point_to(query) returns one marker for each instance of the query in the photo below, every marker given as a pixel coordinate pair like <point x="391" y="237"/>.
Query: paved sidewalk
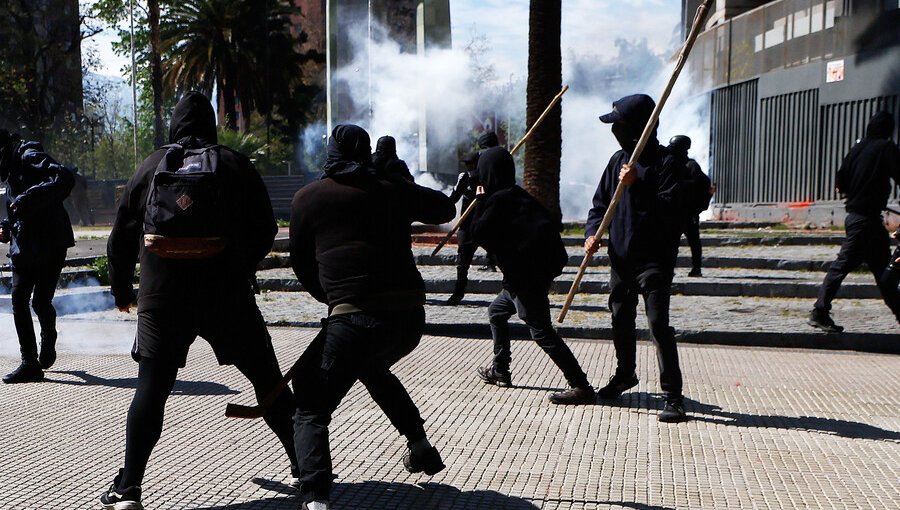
<point x="771" y="429"/>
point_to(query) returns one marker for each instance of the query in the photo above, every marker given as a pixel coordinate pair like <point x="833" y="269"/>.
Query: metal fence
<point x="733" y="141"/>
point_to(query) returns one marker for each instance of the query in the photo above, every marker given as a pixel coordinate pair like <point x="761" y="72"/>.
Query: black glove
<point x="462" y="182"/>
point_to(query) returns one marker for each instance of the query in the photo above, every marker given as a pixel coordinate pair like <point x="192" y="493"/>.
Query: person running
<point x="40" y="233"/>
<point x="865" y="179"/>
<point x="350" y="248"/>
<point x="519" y="230"/>
<point x="192" y="285"/>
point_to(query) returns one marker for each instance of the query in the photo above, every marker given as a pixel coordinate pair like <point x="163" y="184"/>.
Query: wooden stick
<point x="642" y="142"/>
<point x="471" y="207"/>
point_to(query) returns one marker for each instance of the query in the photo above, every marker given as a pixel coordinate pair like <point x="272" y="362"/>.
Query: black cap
<point x="637" y="106"/>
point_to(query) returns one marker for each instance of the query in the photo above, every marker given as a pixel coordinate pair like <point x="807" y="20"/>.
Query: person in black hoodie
<point x="466" y="185"/>
<point x="519" y="230"/>
<point x="643" y="246"/>
<point x="40" y="233"/>
<point x="698" y="191"/>
<point x="351" y="249"/>
<point x="864" y="178"/>
<point x="180" y="299"/>
<point x="386" y="161"/>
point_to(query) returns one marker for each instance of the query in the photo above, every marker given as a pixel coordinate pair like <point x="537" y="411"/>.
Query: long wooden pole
<point x="471" y="207"/>
<point x="642" y="142"/>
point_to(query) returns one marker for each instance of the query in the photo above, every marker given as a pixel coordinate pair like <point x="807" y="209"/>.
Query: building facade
<point x="792" y="84"/>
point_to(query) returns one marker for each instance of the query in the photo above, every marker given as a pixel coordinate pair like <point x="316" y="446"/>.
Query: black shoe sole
<point x="826" y="329"/>
<point x="617" y="395"/>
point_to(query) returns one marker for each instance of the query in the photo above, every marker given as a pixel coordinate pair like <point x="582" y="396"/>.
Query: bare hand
<point x="479" y="190"/>
<point x="125" y="309"/>
<point x="894" y="234"/>
<point x="712" y="189"/>
<point x="591" y="245"/>
<point x="627" y="175"/>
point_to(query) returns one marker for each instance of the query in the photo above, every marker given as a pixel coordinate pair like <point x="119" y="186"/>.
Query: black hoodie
<point x="350" y="230"/>
<point x="865" y="173"/>
<point x="646" y="226"/>
<point x="515" y="227"/>
<point x="387" y="163"/>
<point x="217" y="281"/>
<point x="36" y="187"/>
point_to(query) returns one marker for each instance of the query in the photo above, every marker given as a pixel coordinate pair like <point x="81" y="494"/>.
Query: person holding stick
<point x="351" y="248"/>
<point x="196" y="279"/>
<point x="511" y="223"/>
<point x="643" y="246"/>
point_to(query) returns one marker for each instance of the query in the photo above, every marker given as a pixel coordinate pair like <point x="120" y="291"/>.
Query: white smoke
<point x="595" y="83"/>
<point x="391" y="89"/>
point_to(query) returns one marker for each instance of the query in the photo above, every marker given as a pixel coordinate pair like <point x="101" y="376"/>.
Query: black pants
<point x="357" y="346"/>
<point x="238" y="336"/>
<point x="866" y="241"/>
<point x="533" y="308"/>
<point x="35" y="279"/>
<point x="691" y="228"/>
<point x="655" y="285"/>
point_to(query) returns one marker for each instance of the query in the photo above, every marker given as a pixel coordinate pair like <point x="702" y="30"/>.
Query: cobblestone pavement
<point x="771" y="429"/>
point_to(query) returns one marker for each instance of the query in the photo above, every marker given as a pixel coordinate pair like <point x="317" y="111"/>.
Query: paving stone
<point x="770" y="429"/>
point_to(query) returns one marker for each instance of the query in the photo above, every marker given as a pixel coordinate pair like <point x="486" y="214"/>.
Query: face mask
<point x="626" y="139"/>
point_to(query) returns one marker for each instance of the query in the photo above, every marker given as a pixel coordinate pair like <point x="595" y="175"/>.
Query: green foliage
<point x="101" y="266"/>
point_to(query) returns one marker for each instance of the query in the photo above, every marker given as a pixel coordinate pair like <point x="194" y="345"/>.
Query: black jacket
<point x="520" y="232"/>
<point x="646" y="226"/>
<point x="176" y="283"/>
<point x="865" y="173"/>
<point x="350" y="231"/>
<point x="36" y="189"/>
<point x="695" y="186"/>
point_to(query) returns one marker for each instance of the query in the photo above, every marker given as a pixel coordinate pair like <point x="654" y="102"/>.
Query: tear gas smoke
<point x="401" y="83"/>
<point x="75" y="335"/>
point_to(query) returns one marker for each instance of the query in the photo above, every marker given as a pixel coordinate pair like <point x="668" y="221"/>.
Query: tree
<point x="156" y="74"/>
<point x="543" y="150"/>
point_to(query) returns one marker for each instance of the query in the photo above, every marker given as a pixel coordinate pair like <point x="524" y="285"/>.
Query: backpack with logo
<point x="186" y="214"/>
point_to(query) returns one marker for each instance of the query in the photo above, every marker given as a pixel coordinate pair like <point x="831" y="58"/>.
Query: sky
<point x="588" y="26"/>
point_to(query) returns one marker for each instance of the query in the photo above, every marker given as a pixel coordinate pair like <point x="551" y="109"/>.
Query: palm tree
<point x="544" y="148"/>
<point x="197" y="36"/>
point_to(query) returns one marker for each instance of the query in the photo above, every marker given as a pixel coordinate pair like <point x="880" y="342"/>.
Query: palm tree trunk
<point x="156" y="75"/>
<point x="544" y="149"/>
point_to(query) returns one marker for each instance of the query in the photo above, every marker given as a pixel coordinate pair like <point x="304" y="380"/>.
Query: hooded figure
<point x="865" y="174"/>
<point x="520" y="232"/>
<point x="865" y="180"/>
<point x="39" y="232"/>
<point x="643" y="245"/>
<point x="487" y="140"/>
<point x="350" y="247"/>
<point x="180" y="299"/>
<point x="386" y="161"/>
<point x="696" y="187"/>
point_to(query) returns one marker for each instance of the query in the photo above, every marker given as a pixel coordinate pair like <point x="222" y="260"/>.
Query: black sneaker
<point x="48" y="352"/>
<point x="695" y="273"/>
<point x="616" y="386"/>
<point x="429" y="461"/>
<point x="24" y="374"/>
<point x="673" y="412"/>
<point x="491" y="376"/>
<point x="128" y="499"/>
<point x="455" y="299"/>
<point x="575" y="396"/>
<point x="821" y="319"/>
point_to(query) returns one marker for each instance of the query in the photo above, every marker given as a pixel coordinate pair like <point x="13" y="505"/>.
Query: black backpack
<point x="186" y="214"/>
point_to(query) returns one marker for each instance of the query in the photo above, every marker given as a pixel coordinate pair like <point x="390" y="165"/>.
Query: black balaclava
<point x="881" y="125"/>
<point x="628" y="118"/>
<point x="193" y="122"/>
<point x="8" y="143"/>
<point x="487" y="140"/>
<point x="385" y="150"/>
<point x="496" y="170"/>
<point x="349" y="151"/>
